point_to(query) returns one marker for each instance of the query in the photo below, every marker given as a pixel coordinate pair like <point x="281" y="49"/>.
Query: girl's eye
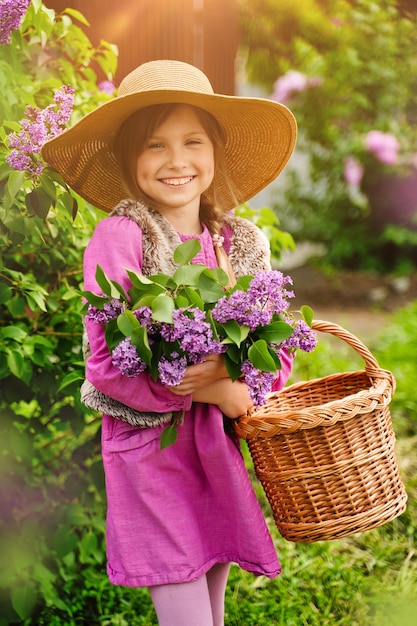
<point x="193" y="141"/>
<point x="155" y="145"/>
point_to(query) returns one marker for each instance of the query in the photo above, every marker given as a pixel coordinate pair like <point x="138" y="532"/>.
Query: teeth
<point x="177" y="181"/>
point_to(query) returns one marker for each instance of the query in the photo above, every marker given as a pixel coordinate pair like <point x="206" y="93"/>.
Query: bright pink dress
<point x="174" y="513"/>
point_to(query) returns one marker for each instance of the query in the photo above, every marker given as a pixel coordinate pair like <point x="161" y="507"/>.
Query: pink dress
<point x="174" y="513"/>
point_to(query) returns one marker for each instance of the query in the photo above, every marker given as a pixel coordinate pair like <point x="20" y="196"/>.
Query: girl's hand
<point x="232" y="398"/>
<point x="201" y="375"/>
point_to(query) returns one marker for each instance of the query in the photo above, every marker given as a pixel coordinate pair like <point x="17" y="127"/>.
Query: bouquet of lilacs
<point x="166" y="323"/>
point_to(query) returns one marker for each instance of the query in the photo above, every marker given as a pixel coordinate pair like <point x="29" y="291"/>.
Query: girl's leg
<point x="183" y="604"/>
<point x="217" y="581"/>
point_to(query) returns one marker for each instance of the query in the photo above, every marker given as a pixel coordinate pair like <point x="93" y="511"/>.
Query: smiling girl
<point x="170" y="159"/>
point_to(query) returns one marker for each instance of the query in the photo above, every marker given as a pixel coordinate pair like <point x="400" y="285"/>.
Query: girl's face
<point x="177" y="164"/>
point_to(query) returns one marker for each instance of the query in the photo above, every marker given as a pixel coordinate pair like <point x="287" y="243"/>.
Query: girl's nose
<point x="177" y="157"/>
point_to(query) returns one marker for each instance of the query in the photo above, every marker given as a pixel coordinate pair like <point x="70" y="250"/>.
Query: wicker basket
<point x="324" y="451"/>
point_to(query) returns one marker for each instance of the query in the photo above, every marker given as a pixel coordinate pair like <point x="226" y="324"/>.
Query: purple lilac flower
<point x="384" y="146"/>
<point x="239" y="307"/>
<point x="193" y="333"/>
<point x="303" y="338"/>
<point x="267" y="289"/>
<point x="11" y="15"/>
<point x="110" y="311"/>
<point x="39" y="126"/>
<point x="259" y="383"/>
<point x="353" y="172"/>
<point x="266" y="295"/>
<point x="171" y="372"/>
<point x="127" y="360"/>
<point x="144" y="315"/>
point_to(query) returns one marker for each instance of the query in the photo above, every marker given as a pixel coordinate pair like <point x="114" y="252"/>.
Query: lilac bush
<point x="12" y="13"/>
<point x="39" y="126"/>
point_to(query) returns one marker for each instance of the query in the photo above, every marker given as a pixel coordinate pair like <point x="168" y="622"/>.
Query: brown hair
<point x="132" y="137"/>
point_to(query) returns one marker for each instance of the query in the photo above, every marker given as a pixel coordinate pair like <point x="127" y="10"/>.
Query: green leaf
<point x="186" y="251"/>
<point x="235" y="332"/>
<point x="169" y="436"/>
<point x="146" y="300"/>
<point x="38" y="202"/>
<point x="105" y="284"/>
<point x="209" y="288"/>
<point x="23" y="600"/>
<point x="64" y="541"/>
<point x="5" y="293"/>
<point x="162" y="308"/>
<point x="163" y="280"/>
<point x="127" y="323"/>
<point x="70" y="378"/>
<point x="35" y="301"/>
<point x="275" y="332"/>
<point x="48" y="185"/>
<point x="193" y="297"/>
<point x="15" y="183"/>
<point x="139" y="280"/>
<point x="13" y="332"/>
<point x="16" y="306"/>
<point x="120" y="289"/>
<point x="259" y="355"/>
<point x="242" y="283"/>
<point x="188" y="275"/>
<point x="181" y="301"/>
<point x="78" y="16"/>
<point x="308" y="314"/>
<point x="275" y="356"/>
<point x="15" y="363"/>
<point x="219" y="275"/>
<point x="139" y="338"/>
<point x="95" y="300"/>
<point x="233" y="367"/>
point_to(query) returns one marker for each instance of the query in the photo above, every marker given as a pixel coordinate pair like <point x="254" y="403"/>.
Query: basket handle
<point x="371" y="364"/>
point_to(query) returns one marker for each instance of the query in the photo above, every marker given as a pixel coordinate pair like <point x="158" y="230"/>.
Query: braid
<point x="212" y="217"/>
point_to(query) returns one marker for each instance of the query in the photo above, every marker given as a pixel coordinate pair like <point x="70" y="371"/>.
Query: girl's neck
<point x="185" y="224"/>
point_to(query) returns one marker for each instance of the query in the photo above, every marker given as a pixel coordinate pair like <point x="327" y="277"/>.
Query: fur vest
<point x="248" y="254"/>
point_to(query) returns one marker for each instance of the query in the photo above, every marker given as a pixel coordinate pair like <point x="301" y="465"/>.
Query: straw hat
<point x="260" y="134"/>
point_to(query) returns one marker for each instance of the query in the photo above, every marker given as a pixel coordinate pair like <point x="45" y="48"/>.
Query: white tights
<point x="197" y="603"/>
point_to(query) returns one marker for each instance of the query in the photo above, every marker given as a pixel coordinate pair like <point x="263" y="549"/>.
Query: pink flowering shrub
<point x="351" y="83"/>
<point x="384" y="146"/>
<point x="353" y="171"/>
<point x="291" y="83"/>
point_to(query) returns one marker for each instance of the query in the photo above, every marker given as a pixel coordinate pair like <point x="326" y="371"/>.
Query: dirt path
<point x="361" y="302"/>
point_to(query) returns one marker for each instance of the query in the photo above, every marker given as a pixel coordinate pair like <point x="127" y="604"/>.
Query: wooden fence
<point x="201" y="32"/>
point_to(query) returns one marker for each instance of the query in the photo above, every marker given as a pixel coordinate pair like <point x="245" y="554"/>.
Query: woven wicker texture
<point x="324" y="451"/>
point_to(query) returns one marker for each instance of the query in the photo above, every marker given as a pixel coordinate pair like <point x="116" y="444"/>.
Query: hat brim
<point x="260" y="138"/>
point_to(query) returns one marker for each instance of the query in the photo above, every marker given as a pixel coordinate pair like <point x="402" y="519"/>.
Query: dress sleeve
<point x="116" y="246"/>
<point x="285" y="371"/>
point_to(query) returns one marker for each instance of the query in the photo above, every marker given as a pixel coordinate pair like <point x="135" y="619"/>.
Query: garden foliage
<point x="51" y="478"/>
<point x="348" y="70"/>
<point x="52" y="513"/>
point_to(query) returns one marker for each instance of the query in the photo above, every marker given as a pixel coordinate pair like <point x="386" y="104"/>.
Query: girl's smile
<point x="177" y="164"/>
